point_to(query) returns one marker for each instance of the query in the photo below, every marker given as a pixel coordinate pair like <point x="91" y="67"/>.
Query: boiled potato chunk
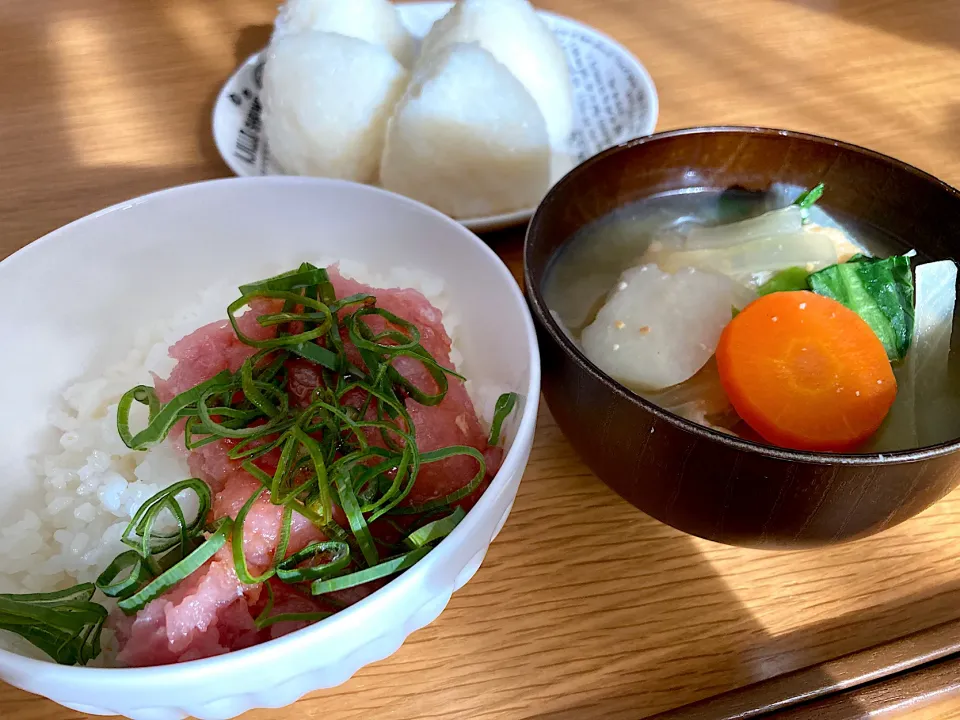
<point x="658" y="329"/>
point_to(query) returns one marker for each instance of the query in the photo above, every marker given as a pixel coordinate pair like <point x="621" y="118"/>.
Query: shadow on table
<point x="785" y="687"/>
<point x="251" y="39"/>
<point x="925" y="21"/>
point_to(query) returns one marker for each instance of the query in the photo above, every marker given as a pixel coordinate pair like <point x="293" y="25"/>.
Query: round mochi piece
<point x="376" y="21"/>
<point x="467" y="138"/>
<point x="327" y="99"/>
<point x="513" y="32"/>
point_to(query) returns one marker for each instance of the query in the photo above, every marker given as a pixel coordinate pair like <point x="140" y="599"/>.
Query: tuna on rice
<point x="331" y="428"/>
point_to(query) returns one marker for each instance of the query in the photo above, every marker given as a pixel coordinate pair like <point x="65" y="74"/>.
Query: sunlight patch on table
<point x="109" y="117"/>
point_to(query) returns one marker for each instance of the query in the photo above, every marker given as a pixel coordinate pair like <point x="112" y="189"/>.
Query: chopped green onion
<point x="309" y="617"/>
<point x="306" y="276"/>
<point x="139" y="533"/>
<point x="316" y="354"/>
<point x="136" y="575"/>
<point x="320" y="470"/>
<point x="239" y="556"/>
<point x="339" y="552"/>
<point x="161" y="418"/>
<point x="358" y="524"/>
<point x="457" y="495"/>
<point x="186" y="567"/>
<point x="282" y="340"/>
<point x="382" y="570"/>
<point x="435" y="530"/>
<point x="264" y="619"/>
<point x="501" y="411"/>
<point x="66" y="624"/>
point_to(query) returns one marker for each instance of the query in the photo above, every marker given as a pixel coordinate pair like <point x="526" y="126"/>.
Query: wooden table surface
<point x="584" y="608"/>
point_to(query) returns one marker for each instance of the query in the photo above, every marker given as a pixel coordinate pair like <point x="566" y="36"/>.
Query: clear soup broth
<point x="585" y="272"/>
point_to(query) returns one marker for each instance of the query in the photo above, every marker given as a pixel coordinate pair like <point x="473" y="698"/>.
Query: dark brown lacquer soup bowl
<point x="698" y="480"/>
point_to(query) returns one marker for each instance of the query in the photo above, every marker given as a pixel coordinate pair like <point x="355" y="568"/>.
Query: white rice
<point x="91" y="485"/>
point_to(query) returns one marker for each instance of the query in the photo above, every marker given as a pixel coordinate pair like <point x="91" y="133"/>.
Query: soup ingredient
<point x="794" y="278"/>
<point x="515" y="35"/>
<point x="927" y="408"/>
<point x="785" y="225"/>
<point x="778" y="223"/>
<point x="658" y="329"/>
<point x="745" y="259"/>
<point x="467" y="138"/>
<point x="376" y="21"/>
<point x="589" y="264"/>
<point x="879" y="291"/>
<point x="806" y="372"/>
<point x="844" y="246"/>
<point x="700" y="399"/>
<point x="326" y="102"/>
<point x="807" y="198"/>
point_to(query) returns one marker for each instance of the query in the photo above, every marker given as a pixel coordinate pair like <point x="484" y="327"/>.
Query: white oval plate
<point x="614" y="100"/>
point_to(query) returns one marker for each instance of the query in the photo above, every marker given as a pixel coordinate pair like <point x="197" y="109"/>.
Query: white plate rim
<point x="504" y="220"/>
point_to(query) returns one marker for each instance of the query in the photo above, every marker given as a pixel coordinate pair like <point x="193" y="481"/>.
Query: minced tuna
<point x="211" y="611"/>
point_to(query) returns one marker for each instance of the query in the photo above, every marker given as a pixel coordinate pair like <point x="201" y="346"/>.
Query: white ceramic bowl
<point x="72" y="300"/>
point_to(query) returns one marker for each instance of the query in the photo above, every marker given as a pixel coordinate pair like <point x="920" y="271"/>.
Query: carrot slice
<point x="805" y="372"/>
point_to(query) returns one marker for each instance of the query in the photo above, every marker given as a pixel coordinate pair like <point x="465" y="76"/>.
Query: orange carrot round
<point x="806" y="372"/>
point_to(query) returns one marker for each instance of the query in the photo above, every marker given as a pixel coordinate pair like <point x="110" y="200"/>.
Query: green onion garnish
<point x="264" y="619"/>
<point x="338" y="554"/>
<point x="189" y="565"/>
<point x="384" y="569"/>
<point x="140" y="534"/>
<point x="65" y="624"/>
<point x="501" y="411"/>
<point x="435" y="530"/>
<point x="160" y="420"/>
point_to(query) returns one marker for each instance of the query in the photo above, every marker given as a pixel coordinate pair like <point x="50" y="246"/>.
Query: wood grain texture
<point x="903" y="695"/>
<point x="584" y="608"/>
<point x="849" y="677"/>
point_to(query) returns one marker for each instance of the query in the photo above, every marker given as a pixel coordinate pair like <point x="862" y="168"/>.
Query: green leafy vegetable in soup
<point x="879" y="291"/>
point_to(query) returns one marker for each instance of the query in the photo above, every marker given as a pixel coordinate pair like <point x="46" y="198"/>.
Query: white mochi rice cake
<point x="513" y="32"/>
<point x="327" y="99"/>
<point x="467" y="138"/>
<point x="376" y="21"/>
